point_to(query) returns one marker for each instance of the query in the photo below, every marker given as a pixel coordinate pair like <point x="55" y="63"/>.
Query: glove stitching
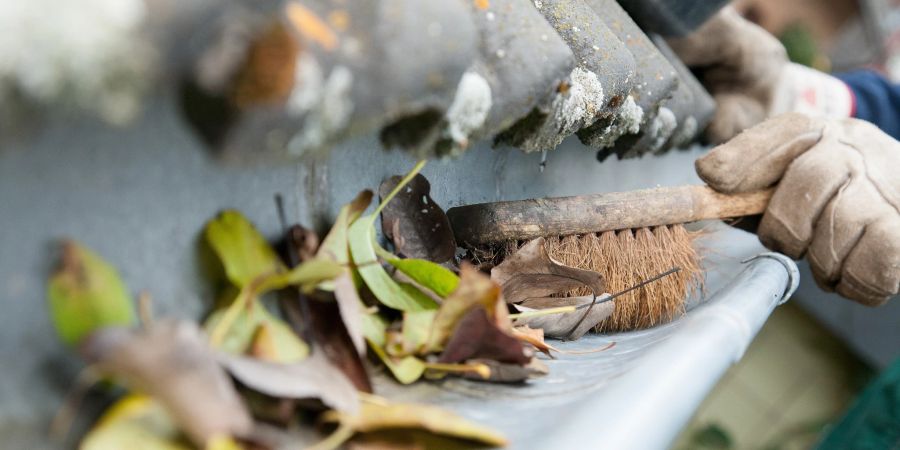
<point x="781" y="148"/>
<point x="871" y="180"/>
<point x="858" y="285"/>
<point x="831" y="221"/>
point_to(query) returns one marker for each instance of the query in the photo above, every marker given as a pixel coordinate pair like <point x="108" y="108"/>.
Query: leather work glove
<point x="748" y="73"/>
<point x="837" y="198"/>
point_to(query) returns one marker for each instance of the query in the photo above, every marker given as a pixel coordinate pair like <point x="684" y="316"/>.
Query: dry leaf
<point x="172" y="362"/>
<point x="570" y="325"/>
<point x="416" y="224"/>
<point x="376" y="415"/>
<point x="329" y="335"/>
<point x="533" y="336"/>
<point x="304" y="242"/>
<point x="477" y="337"/>
<point x="509" y="373"/>
<point x="131" y="421"/>
<point x="531" y="273"/>
<point x="474" y="290"/>
<point x="314" y="377"/>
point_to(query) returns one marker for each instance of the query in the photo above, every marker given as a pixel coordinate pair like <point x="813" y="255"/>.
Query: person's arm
<point x="836" y="199"/>
<point x="875" y="99"/>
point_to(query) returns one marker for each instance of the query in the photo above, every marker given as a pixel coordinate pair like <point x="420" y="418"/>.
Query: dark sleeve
<point x="877" y="100"/>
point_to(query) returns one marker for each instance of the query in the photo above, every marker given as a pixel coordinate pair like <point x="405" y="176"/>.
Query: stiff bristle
<point x="625" y="258"/>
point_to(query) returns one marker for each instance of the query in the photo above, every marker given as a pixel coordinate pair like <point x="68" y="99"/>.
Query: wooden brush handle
<point x="529" y="219"/>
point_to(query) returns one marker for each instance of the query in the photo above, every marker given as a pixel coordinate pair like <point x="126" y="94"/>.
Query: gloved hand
<point x="837" y="198"/>
<point x="748" y="73"/>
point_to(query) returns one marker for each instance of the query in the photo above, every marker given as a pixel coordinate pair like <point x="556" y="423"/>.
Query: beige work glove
<point x="748" y="73"/>
<point x="837" y="198"/>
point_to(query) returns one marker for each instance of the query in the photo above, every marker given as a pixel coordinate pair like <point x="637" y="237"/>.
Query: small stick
<point x="590" y="305"/>
<point x="636" y="286"/>
<point x="293" y="260"/>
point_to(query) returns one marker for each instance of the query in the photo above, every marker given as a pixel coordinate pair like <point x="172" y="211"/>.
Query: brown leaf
<point x="329" y="335"/>
<point x="314" y="377"/>
<point x="531" y="273"/>
<point x="477" y="337"/>
<point x="509" y="373"/>
<point x="305" y="242"/>
<point x="533" y="336"/>
<point x="475" y="290"/>
<point x="172" y="362"/>
<point x="570" y="325"/>
<point x="416" y="224"/>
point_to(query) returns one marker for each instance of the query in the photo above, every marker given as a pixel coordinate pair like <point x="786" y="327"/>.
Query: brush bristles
<point x="625" y="258"/>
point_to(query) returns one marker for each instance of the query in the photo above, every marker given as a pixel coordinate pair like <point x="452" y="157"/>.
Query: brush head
<point x="626" y="258"/>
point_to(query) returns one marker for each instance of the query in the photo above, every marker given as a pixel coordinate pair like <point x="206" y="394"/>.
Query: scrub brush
<point x="627" y="237"/>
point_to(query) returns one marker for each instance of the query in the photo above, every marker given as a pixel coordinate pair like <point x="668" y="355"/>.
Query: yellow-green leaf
<point x="435" y="277"/>
<point x="306" y="276"/>
<point x="135" y="422"/>
<point x="374" y="328"/>
<point x="244" y="253"/>
<point x="406" y="370"/>
<point x="385" y="289"/>
<point x="278" y="343"/>
<point x="334" y="246"/>
<point x="275" y="341"/>
<point x="416" y="329"/>
<point x="378" y="414"/>
<point x="86" y="294"/>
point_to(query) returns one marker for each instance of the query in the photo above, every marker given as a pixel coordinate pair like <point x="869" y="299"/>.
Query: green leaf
<point x="306" y="276"/>
<point x="416" y="329"/>
<point x="275" y="341"/>
<point x="244" y="253"/>
<point x="137" y="422"/>
<point x="259" y="332"/>
<point x="386" y="290"/>
<point x="437" y="278"/>
<point x="374" y="328"/>
<point x="406" y="370"/>
<point x="334" y="246"/>
<point x="86" y="294"/>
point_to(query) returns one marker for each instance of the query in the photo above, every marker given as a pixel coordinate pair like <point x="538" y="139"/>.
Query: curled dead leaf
<point x="477" y="337"/>
<point x="531" y="273"/>
<point x="474" y="291"/>
<point x="172" y="362"/>
<point x="567" y="325"/>
<point x="416" y="224"/>
<point x="314" y="377"/>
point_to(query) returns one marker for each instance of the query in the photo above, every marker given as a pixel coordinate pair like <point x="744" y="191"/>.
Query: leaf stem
<point x="482" y="370"/>
<point x="412" y="173"/>
<point x="336" y="439"/>
<point x="543" y="312"/>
